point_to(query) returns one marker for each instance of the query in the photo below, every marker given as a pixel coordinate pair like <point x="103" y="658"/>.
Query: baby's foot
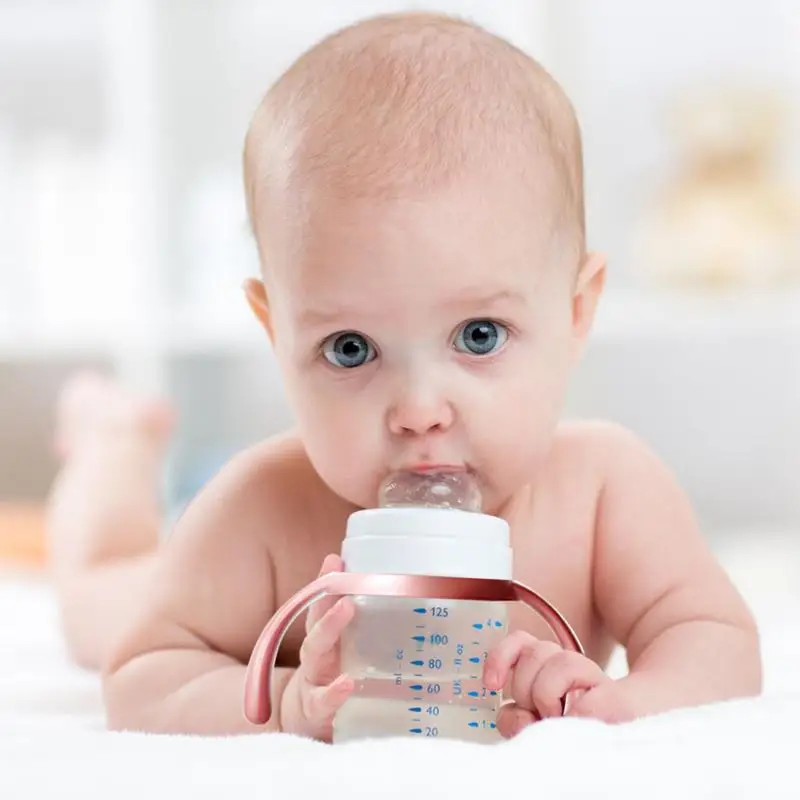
<point x="92" y="406"/>
<point x="105" y="503"/>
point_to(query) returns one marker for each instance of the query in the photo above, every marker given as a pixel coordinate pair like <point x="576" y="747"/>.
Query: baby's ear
<point x="256" y="294"/>
<point x="588" y="288"/>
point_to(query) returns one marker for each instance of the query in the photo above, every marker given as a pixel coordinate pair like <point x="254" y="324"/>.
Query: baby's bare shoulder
<point x="593" y="450"/>
<point x="596" y="435"/>
<point x="271" y="480"/>
<point x="274" y="492"/>
<point x="228" y="544"/>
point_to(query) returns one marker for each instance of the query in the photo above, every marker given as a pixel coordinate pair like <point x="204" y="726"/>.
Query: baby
<point x="415" y="189"/>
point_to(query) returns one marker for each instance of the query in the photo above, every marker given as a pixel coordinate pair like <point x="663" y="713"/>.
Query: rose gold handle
<point x="560" y="628"/>
<point x="258" y="680"/>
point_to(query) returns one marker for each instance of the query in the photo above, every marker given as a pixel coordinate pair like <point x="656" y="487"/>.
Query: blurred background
<point x="123" y="238"/>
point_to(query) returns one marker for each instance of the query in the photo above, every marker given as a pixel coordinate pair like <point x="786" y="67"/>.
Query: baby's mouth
<point x="426" y="468"/>
<point x="437" y="486"/>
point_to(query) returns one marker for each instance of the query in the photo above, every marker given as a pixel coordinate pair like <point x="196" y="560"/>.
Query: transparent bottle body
<point x="418" y="668"/>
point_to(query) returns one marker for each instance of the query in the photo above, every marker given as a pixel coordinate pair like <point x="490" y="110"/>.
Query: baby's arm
<point x="182" y="668"/>
<point x="689" y="636"/>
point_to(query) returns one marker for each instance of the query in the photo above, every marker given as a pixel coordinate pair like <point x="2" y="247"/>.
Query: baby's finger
<point x="521" y="653"/>
<point x="331" y="563"/>
<point x="319" y="653"/>
<point x="323" y="702"/>
<point x="511" y="719"/>
<point x="563" y="673"/>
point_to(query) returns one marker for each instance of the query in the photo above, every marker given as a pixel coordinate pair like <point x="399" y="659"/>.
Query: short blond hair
<point x="402" y="103"/>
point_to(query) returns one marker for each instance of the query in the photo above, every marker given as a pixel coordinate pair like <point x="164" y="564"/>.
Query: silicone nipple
<point x="457" y="490"/>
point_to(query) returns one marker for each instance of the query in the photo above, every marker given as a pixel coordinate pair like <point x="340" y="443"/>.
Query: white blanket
<point x="52" y="743"/>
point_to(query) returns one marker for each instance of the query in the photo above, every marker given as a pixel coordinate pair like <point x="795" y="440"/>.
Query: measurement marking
<point x="457" y="662"/>
<point x="415" y="730"/>
<point x="476" y="643"/>
<point x="478" y="626"/>
<point x="473" y="724"/>
<point x="415" y="709"/>
<point x="417" y="687"/>
<point x="474" y="708"/>
<point x="473" y="694"/>
<point x="423" y="639"/>
<point x="473" y="660"/>
<point x="417" y="674"/>
<point x="498" y="624"/>
<point x="418" y="638"/>
<point x="417" y="719"/>
<point x="418" y="698"/>
<point x="417" y="663"/>
<point x="420" y="610"/>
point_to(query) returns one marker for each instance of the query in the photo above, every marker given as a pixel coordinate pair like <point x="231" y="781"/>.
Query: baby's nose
<point x="418" y="415"/>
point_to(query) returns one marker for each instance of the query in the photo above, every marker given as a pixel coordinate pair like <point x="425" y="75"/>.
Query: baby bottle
<point x="418" y="662"/>
<point x="430" y="575"/>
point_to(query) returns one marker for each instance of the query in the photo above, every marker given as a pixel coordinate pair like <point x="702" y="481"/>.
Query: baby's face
<point x="423" y="332"/>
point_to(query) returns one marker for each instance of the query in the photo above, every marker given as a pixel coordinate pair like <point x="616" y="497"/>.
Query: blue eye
<point x="348" y="350"/>
<point x="481" y="337"/>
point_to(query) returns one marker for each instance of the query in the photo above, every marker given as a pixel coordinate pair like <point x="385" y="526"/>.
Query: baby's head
<point x="415" y="188"/>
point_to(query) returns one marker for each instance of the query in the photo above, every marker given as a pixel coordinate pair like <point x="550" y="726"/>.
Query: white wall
<point x="625" y="63"/>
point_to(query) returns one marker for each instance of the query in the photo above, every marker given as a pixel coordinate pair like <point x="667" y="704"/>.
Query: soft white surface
<point x="52" y="741"/>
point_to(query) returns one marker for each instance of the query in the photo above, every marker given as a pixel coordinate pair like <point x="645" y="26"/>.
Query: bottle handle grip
<point x="258" y="679"/>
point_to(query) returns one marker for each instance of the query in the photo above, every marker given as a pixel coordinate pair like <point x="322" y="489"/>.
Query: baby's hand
<point x="539" y="675"/>
<point x="317" y="690"/>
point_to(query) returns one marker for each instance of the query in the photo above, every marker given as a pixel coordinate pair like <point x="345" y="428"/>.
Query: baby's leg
<point x="104" y="514"/>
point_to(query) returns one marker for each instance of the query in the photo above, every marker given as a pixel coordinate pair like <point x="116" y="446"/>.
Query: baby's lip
<point x="427" y="466"/>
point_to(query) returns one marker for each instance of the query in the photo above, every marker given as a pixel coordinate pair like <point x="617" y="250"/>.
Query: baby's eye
<point x="348" y="350"/>
<point x="481" y="337"/>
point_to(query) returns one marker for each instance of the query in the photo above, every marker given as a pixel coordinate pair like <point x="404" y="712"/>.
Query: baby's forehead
<point x="408" y="103"/>
<point x="443" y="243"/>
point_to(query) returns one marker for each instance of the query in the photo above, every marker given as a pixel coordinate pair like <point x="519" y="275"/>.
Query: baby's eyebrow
<point x="312" y="317"/>
<point x="479" y="299"/>
<point x="467" y="299"/>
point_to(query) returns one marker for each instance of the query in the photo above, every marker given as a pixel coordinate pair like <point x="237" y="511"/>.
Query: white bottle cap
<point x="443" y="542"/>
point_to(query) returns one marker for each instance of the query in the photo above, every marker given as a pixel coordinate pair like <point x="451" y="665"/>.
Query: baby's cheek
<point x="346" y="455"/>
